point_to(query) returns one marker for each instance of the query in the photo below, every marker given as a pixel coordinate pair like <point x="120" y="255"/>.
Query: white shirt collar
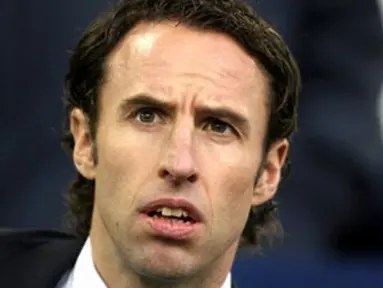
<point x="84" y="273"/>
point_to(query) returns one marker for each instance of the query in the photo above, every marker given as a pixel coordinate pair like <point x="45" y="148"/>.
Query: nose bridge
<point x="178" y="160"/>
<point x="180" y="143"/>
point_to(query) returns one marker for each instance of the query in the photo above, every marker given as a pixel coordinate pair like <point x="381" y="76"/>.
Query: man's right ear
<point x="83" y="144"/>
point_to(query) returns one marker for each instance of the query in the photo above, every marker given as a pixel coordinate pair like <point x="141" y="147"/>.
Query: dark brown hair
<point x="231" y="17"/>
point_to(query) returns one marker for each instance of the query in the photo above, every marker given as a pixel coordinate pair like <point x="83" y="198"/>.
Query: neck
<point x="116" y="271"/>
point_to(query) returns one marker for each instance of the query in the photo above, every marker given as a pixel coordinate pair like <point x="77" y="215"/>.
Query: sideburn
<point x="94" y="153"/>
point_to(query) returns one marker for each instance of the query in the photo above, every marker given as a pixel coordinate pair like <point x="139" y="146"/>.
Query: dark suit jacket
<point x="37" y="259"/>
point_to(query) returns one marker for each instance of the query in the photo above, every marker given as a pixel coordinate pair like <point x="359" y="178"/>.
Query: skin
<point x="181" y="150"/>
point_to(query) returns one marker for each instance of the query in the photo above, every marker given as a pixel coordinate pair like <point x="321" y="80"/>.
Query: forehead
<point x="165" y="57"/>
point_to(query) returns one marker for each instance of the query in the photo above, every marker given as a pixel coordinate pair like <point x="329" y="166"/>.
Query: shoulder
<point x="14" y="242"/>
<point x="13" y="238"/>
<point x="41" y="256"/>
<point x="10" y="235"/>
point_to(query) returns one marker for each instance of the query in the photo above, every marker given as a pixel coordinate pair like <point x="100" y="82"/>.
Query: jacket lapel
<point x="45" y="265"/>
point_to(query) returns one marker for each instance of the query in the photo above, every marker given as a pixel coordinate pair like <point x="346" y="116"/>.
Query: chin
<point x="168" y="264"/>
<point x="166" y="271"/>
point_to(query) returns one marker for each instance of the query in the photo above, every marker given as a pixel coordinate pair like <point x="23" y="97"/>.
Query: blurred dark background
<point x="332" y="203"/>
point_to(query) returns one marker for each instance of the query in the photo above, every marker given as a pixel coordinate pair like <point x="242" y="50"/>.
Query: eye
<point x="219" y="127"/>
<point x="147" y="115"/>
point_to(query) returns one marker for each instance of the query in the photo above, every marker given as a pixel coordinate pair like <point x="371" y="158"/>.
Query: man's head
<point x="178" y="104"/>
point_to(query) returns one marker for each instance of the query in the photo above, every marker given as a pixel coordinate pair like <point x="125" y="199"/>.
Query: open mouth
<point x="175" y="215"/>
<point x="174" y="219"/>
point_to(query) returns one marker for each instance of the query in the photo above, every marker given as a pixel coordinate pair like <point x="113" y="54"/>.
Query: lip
<point x="167" y="229"/>
<point x="174" y="203"/>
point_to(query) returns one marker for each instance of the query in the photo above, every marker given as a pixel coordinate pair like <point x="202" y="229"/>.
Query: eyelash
<point x="161" y="114"/>
<point x="211" y="121"/>
<point x="155" y="111"/>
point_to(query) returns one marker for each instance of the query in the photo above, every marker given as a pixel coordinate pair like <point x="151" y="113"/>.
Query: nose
<point x="178" y="163"/>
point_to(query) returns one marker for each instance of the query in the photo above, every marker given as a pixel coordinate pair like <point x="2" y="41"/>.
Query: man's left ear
<point x="270" y="176"/>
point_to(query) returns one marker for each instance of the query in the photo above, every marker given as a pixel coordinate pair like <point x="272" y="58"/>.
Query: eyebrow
<point x="145" y="100"/>
<point x="226" y="113"/>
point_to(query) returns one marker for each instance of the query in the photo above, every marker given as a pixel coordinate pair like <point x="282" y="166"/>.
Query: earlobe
<point x="263" y="191"/>
<point x="268" y="182"/>
<point x="83" y="144"/>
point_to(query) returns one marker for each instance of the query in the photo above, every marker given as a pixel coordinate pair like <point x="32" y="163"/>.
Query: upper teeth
<point x="165" y="211"/>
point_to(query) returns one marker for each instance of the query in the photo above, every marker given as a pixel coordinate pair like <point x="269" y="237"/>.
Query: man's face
<point x="182" y="120"/>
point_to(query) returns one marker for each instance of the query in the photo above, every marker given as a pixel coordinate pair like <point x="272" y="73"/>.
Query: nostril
<point x="173" y="177"/>
<point x="164" y="173"/>
<point x="192" y="178"/>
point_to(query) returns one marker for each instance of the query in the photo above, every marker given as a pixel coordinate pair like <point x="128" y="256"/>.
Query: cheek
<point x="237" y="189"/>
<point x="230" y="179"/>
<point x="231" y="202"/>
<point x="123" y="165"/>
<point x="123" y="151"/>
